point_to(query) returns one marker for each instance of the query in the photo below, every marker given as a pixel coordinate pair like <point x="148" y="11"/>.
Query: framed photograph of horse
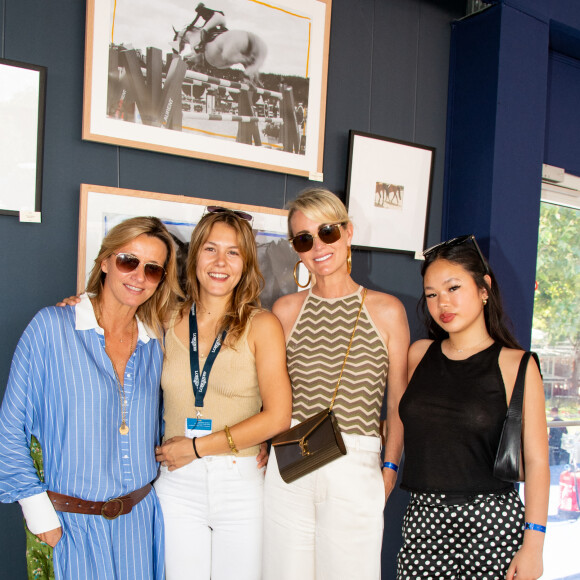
<point x="233" y="81"/>
<point x="388" y="191"/>
<point x="22" y="105"/>
<point x="101" y="208"/>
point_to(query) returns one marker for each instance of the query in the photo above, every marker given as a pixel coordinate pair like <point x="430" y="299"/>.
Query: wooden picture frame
<point x="101" y="208"/>
<point x="22" y="109"/>
<point x="139" y="94"/>
<point x="388" y="192"/>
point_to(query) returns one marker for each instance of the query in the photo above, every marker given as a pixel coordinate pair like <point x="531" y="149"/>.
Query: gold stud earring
<point x="296" y="277"/>
<point x="484" y="301"/>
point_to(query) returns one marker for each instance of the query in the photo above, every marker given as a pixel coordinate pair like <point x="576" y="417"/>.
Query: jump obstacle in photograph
<point x="158" y="96"/>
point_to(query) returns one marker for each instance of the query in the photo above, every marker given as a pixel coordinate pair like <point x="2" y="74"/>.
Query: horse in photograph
<point x="380" y="193"/>
<point x="387" y="193"/>
<point x="228" y="48"/>
<point x="394" y="194"/>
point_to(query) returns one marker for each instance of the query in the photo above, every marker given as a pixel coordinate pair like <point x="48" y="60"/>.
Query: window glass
<point x="556" y="339"/>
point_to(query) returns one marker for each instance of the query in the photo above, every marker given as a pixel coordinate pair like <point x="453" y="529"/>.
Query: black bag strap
<point x="517" y="400"/>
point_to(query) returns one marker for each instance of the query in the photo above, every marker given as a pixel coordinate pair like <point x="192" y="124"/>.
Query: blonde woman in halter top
<point x="329" y="523"/>
<point x="225" y="390"/>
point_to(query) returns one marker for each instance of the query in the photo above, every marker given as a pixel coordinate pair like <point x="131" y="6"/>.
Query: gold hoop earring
<point x="296" y="277"/>
<point x="484" y="301"/>
<point x="349" y="260"/>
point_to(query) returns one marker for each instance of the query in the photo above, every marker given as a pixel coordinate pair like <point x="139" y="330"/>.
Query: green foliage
<point x="557" y="298"/>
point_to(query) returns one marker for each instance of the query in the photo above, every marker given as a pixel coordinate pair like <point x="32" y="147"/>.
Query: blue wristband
<point x="535" y="527"/>
<point x="390" y="465"/>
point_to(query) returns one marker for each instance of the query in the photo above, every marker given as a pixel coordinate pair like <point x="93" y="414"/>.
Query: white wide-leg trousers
<point x="327" y="525"/>
<point x="213" y="514"/>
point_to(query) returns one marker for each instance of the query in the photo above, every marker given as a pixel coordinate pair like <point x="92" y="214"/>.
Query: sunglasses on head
<point x="328" y="233"/>
<point x="128" y="263"/>
<point x="219" y="209"/>
<point x="457" y="242"/>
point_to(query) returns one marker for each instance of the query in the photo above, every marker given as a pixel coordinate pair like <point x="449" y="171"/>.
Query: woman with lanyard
<point x="85" y="383"/>
<point x="225" y="390"/>
<point x="329" y="523"/>
<point x="462" y="521"/>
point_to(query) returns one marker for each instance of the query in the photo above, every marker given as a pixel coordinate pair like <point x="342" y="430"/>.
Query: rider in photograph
<point x="213" y="21"/>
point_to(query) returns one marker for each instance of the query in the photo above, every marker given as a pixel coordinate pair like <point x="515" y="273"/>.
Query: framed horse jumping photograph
<point x="102" y="208"/>
<point x="388" y="191"/>
<point x="231" y="81"/>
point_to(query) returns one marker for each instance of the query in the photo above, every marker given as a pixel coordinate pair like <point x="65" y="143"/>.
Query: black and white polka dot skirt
<point x="473" y="538"/>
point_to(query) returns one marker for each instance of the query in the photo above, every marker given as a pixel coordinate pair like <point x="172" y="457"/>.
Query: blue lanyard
<point x="200" y="379"/>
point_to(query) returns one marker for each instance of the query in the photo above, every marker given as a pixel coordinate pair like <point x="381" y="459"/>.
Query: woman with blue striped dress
<point x="84" y="382"/>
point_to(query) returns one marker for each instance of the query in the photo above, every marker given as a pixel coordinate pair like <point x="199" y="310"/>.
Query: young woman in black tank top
<point x="462" y="522"/>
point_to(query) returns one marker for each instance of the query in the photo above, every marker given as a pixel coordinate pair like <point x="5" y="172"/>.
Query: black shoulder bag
<point x="509" y="460"/>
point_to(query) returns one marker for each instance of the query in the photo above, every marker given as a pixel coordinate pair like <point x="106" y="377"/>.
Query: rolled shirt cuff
<point x="39" y="513"/>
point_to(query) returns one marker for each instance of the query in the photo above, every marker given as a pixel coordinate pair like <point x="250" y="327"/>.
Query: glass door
<point x="556" y="339"/>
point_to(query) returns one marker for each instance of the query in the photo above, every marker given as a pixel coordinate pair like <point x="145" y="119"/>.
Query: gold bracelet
<point x="230" y="440"/>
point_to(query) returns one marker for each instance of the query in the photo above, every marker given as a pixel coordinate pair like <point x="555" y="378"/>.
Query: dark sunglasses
<point x="128" y="263"/>
<point x="457" y="242"/>
<point x="219" y="209"/>
<point x="328" y="234"/>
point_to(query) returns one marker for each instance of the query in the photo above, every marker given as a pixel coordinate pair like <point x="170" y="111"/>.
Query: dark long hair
<point x="466" y="256"/>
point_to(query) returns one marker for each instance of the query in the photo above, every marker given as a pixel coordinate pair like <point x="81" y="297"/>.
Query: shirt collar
<point x="85" y="319"/>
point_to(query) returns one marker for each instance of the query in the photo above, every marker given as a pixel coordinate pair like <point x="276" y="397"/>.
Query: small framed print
<point x="388" y="192"/>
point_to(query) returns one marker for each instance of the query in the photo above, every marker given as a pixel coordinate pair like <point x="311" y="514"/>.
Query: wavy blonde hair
<point x="320" y="205"/>
<point x="246" y="296"/>
<point x="155" y="310"/>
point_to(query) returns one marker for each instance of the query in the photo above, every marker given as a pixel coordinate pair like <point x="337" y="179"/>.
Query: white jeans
<point x="329" y="523"/>
<point x="213" y="516"/>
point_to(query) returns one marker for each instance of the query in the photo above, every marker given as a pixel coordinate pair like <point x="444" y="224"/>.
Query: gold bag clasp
<point x="304" y="447"/>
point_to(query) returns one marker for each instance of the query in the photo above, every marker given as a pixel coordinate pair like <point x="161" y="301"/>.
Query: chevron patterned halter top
<point x="316" y="348"/>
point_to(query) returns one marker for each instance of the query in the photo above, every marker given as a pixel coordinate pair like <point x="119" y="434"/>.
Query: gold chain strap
<point x="348" y="349"/>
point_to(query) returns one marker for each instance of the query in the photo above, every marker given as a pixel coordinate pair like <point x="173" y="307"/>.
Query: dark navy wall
<point x="388" y="68"/>
<point x="513" y="105"/>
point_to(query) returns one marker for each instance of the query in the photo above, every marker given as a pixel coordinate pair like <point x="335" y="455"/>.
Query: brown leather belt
<point x="110" y="509"/>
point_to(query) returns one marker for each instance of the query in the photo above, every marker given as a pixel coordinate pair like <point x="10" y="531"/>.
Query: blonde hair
<point x="320" y="205"/>
<point x="154" y="311"/>
<point x="246" y="295"/>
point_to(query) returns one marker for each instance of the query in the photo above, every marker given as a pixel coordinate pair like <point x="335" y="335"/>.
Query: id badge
<point x="197" y="427"/>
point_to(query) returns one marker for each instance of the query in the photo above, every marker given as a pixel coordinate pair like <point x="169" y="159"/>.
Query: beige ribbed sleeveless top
<point x="316" y="348"/>
<point x="232" y="393"/>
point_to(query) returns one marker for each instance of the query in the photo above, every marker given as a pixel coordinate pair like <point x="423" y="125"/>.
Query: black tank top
<point x="453" y="412"/>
